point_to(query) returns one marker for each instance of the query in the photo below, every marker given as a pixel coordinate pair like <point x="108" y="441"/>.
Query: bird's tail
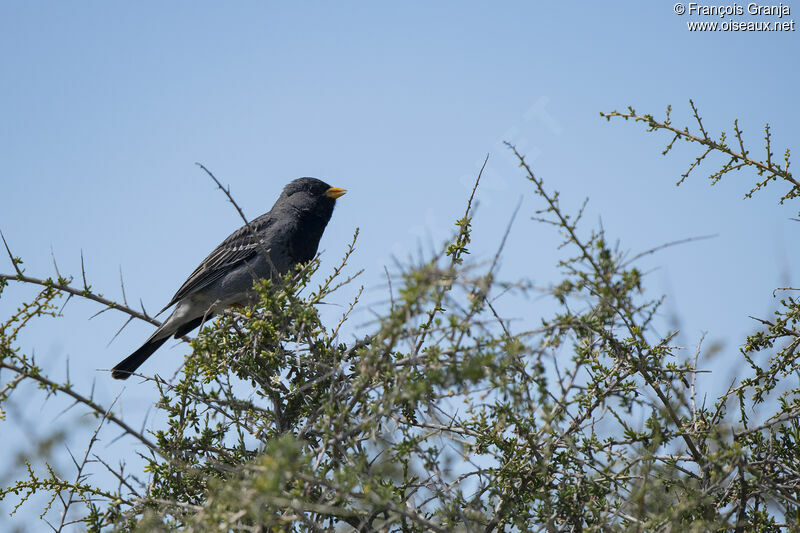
<point x="127" y="366"/>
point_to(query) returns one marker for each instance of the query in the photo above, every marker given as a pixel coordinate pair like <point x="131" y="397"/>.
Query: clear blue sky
<point x="106" y="106"/>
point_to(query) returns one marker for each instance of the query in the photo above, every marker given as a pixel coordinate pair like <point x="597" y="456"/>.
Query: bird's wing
<point x="239" y="247"/>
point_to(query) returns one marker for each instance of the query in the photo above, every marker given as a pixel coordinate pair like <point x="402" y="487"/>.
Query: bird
<point x="268" y="247"/>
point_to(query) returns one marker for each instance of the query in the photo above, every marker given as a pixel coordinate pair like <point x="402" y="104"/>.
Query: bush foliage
<point x="441" y="417"/>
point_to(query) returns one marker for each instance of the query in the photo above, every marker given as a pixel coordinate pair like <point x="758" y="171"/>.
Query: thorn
<point x="122" y="285"/>
<point x="69" y="297"/>
<point x="130" y="318"/>
<point x="53" y="255"/>
<point x="100" y="312"/>
<point x="83" y="273"/>
<point x="10" y="255"/>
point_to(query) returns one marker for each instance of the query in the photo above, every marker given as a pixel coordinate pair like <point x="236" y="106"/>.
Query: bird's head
<point x="311" y="195"/>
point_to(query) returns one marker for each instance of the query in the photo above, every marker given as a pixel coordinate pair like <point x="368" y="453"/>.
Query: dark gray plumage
<point x="289" y="233"/>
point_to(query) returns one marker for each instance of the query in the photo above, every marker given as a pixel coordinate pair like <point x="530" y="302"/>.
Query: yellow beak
<point x="335" y="192"/>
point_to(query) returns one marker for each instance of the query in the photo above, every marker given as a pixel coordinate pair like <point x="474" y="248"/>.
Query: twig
<point x="80" y="466"/>
<point x="56" y="387"/>
<point x="256" y="237"/>
<point x="666" y="245"/>
<point x="72" y="291"/>
<point x="453" y="260"/>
